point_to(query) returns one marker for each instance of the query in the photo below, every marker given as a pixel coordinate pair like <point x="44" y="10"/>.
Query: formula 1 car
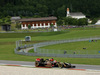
<point x="40" y="62"/>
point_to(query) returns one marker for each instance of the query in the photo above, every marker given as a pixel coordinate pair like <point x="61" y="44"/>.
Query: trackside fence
<point x="59" y="53"/>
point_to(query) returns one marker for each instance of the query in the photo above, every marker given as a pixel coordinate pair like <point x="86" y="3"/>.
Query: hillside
<point x="42" y="8"/>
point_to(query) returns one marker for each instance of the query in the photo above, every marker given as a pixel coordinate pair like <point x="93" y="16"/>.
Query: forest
<point x="44" y="8"/>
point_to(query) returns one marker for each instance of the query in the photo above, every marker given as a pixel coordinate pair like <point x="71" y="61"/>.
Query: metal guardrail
<point x="59" y="55"/>
<point x="40" y="52"/>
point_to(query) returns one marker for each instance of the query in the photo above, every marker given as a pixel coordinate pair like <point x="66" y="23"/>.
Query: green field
<point x="7" y="44"/>
<point x="91" y="47"/>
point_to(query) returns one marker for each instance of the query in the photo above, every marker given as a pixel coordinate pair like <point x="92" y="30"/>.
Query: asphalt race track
<point x="32" y="64"/>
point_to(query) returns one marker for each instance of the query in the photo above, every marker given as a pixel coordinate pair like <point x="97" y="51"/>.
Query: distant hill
<point x="42" y="8"/>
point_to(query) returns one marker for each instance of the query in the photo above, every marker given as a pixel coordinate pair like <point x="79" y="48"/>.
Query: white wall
<point x="78" y="17"/>
<point x="38" y="26"/>
<point x="24" y="27"/>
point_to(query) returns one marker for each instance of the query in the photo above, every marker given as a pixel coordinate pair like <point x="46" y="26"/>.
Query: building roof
<point x="77" y="14"/>
<point x="38" y="19"/>
<point x="15" y="18"/>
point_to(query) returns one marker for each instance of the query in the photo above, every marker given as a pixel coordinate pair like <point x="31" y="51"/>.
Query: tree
<point x="94" y="20"/>
<point x="52" y="26"/>
<point x="61" y="11"/>
<point x="82" y="21"/>
<point x="70" y="21"/>
<point x="50" y="7"/>
<point x="60" y="22"/>
<point x="29" y="26"/>
<point x="5" y="20"/>
<point x="74" y="21"/>
<point x="18" y="25"/>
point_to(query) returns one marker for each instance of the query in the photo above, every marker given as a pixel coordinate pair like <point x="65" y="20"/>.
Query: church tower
<point x="67" y="14"/>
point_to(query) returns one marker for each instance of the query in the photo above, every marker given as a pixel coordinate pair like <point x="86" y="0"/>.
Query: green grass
<point x="8" y="54"/>
<point x="70" y="33"/>
<point x="7" y="44"/>
<point x="31" y="51"/>
<point x="91" y="47"/>
<point x="32" y="34"/>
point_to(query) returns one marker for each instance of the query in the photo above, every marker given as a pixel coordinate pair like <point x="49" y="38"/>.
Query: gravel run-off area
<point x="13" y="70"/>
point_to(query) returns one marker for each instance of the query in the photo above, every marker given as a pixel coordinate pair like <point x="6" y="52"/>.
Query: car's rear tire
<point x="36" y="63"/>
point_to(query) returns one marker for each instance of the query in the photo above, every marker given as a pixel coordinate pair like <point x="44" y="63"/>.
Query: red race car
<point x="40" y="62"/>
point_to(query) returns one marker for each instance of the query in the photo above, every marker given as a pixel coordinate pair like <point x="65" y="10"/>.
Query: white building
<point x="77" y="15"/>
<point x="97" y="23"/>
<point x="43" y="22"/>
